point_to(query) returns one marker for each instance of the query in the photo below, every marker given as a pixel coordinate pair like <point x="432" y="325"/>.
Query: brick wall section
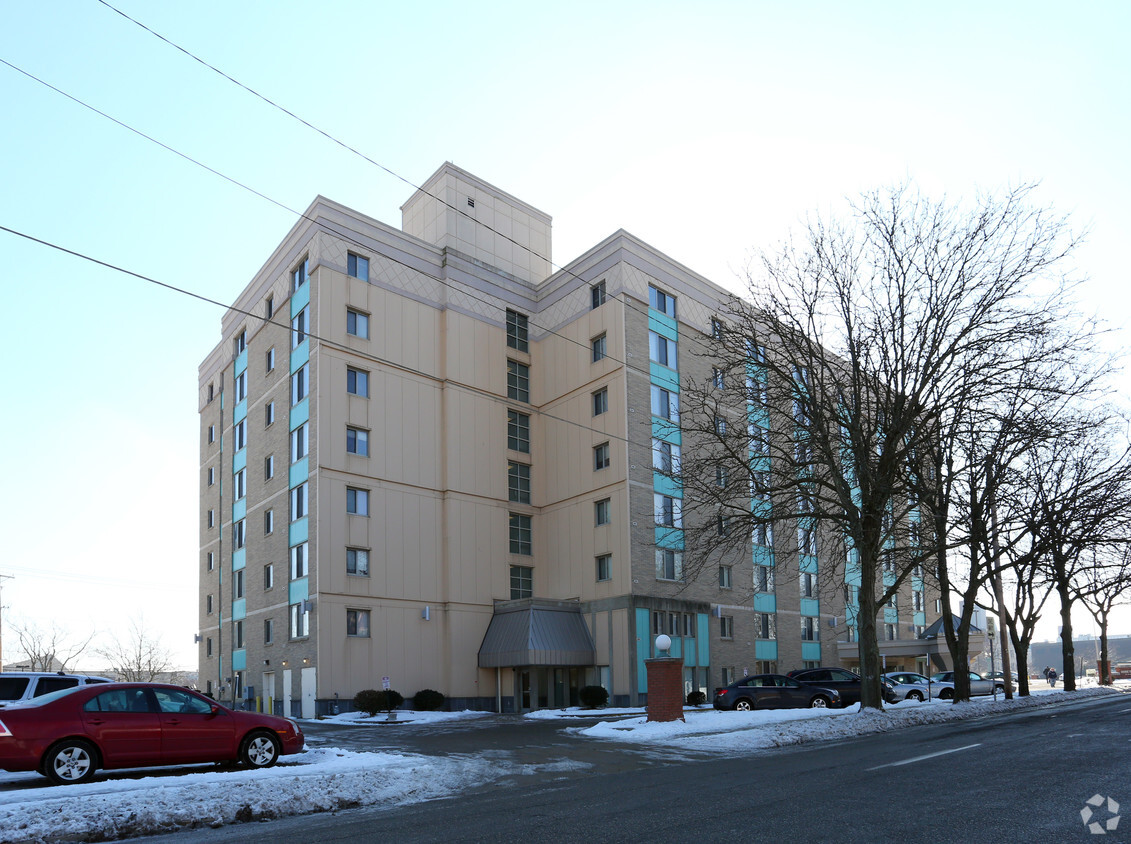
<point x="665" y="689"/>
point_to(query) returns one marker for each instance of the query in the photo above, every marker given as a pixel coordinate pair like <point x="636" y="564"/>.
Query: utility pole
<point x="3" y="577"/>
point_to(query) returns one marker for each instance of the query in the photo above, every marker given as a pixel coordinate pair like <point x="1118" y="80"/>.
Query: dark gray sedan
<point x="773" y="691"/>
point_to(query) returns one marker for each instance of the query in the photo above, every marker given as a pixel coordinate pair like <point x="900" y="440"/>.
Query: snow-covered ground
<point x="328" y="779"/>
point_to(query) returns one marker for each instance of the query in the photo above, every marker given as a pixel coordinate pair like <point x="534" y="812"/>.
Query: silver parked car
<point x="979" y="685"/>
<point x="908" y="685"/>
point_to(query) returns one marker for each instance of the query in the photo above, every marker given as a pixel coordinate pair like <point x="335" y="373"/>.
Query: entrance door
<point x="523" y="678"/>
<point x="269" y="692"/>
<point x="309" y="692"/>
<point x="288" y="684"/>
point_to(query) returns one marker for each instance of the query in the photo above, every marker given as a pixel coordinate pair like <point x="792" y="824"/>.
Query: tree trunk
<point x="1067" y="651"/>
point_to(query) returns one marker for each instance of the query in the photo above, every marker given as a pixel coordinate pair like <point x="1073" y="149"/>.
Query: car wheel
<point x="999" y="690"/>
<point x="260" y="750"/>
<point x="819" y="702"/>
<point x="70" y="762"/>
<point x="946" y="694"/>
<point x="913" y="695"/>
<point x="743" y="705"/>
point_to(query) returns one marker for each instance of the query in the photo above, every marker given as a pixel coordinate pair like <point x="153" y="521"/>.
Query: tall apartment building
<point x="426" y="457"/>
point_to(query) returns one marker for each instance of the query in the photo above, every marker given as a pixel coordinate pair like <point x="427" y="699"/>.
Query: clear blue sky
<point x="706" y="133"/>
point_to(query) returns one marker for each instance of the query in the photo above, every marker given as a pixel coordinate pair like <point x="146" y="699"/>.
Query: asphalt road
<point x="1019" y="777"/>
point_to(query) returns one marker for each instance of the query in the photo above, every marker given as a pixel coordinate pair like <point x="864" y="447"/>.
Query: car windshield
<point x="42" y="699"/>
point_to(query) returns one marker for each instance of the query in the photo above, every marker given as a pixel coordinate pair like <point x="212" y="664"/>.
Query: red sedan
<point x="68" y="735"/>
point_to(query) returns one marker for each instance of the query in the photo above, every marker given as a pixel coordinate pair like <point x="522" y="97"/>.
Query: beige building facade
<point x="426" y="456"/>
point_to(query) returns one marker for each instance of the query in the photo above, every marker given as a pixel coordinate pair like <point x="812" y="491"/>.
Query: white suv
<point x="25" y="685"/>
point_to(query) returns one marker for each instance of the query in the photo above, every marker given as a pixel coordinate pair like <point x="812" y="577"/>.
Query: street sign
<point x="385" y="684"/>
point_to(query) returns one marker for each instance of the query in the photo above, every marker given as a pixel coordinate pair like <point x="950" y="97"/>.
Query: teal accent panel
<point x="239" y="609"/>
<point x="763" y="556"/>
<point x="240" y="412"/>
<point x="765" y="602"/>
<point x="239" y="510"/>
<point x="239" y="660"/>
<point x="239" y="460"/>
<point x="298" y="590"/>
<point x="664" y="377"/>
<point x="808" y="563"/>
<point x="810" y="606"/>
<point x="241" y="362"/>
<point x="852" y="574"/>
<point x="765" y="649"/>
<point x="300" y="355"/>
<point x="919" y="618"/>
<point x="299" y="472"/>
<point x="703" y="637"/>
<point x="662" y="324"/>
<point x="666" y="485"/>
<point x="298" y="532"/>
<point x="239" y="559"/>
<point x="916" y="583"/>
<point x="891" y="616"/>
<point x="811" y="651"/>
<point x="667" y="537"/>
<point x="666" y="430"/>
<point x="300" y="299"/>
<point x="643" y="648"/>
<point x="889" y="580"/>
<point x="676" y="650"/>
<point x="300" y="413"/>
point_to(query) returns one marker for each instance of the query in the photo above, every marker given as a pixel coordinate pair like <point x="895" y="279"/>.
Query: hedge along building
<point x="424" y="456"/>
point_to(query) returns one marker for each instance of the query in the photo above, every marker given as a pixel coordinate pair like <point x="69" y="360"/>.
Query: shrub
<point x="696" y="698"/>
<point x="371" y="701"/>
<point x="427" y="700"/>
<point x="593" y="696"/>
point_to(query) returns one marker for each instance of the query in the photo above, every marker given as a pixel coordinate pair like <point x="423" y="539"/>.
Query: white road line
<point x="928" y="756"/>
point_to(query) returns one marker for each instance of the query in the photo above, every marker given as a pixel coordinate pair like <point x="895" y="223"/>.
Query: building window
<point x="601" y="401"/>
<point x="268" y="521"/>
<point x="726" y="627"/>
<point x="211" y="392"/>
<point x="212" y="518"/>
<point x="298" y="502"/>
<point x="669" y="564"/>
<point x="722" y="475"/>
<point x="211" y="433"/>
<point x="518" y="336"/>
<point x="665" y="457"/>
<point x="357" y="501"/>
<point x="357" y="561"/>
<point x="891" y="632"/>
<point x="211" y="475"/>
<point x="211" y="561"/>
<point x="357" y="324"/>
<point x="661" y="350"/>
<point x="720" y="426"/>
<point x="240" y="343"/>
<point x="518" y="381"/>
<point x="518" y="482"/>
<point x="269" y="307"/>
<point x="357" y="442"/>
<point x="605" y="567"/>
<point x="759" y="441"/>
<point x="268" y="631"/>
<point x="268" y="467"/>
<point x="725" y="577"/>
<point x="208" y="646"/>
<point x="299" y="328"/>
<point x="357" y="266"/>
<point x="239" y="484"/>
<point x="298" y="443"/>
<point x="597" y="295"/>
<point x="601" y="457"/>
<point x="269" y="414"/>
<point x="601" y="512"/>
<point x="808" y="629"/>
<point x="764" y="580"/>
<point x="917" y="601"/>
<point x="270" y="359"/>
<point x="718" y="378"/>
<point x="518" y="431"/>
<point x="299" y="568"/>
<point x="298" y="277"/>
<point x="522" y="582"/>
<point x="716" y="328"/>
<point x="208" y="605"/>
<point x="239" y="386"/>
<point x="661" y="301"/>
<point x="239" y="434"/>
<point x="299" y="386"/>
<point x="599" y="346"/>
<point x="521" y="535"/>
<point x="722" y="525"/>
<point x="665" y="404"/>
<point x="237" y="583"/>
<point x="268" y="576"/>
<point x="807" y="540"/>
<point x="763" y="627"/>
<point x="669" y="510"/>
<point x="357" y="382"/>
<point x="239" y="534"/>
<point x="357" y="623"/>
<point x="300" y="620"/>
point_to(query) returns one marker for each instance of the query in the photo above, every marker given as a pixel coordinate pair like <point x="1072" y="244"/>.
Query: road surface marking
<point x="928" y="756"/>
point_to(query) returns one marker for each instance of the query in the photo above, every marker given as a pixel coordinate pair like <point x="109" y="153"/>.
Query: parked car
<point x="69" y="734"/>
<point x="1000" y="677"/>
<point x="24" y="685"/>
<point x="774" y="691"/>
<point x="909" y="685"/>
<point x="841" y="679"/>
<point x="979" y="685"/>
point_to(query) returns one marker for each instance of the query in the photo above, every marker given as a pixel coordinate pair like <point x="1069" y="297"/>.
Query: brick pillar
<point x="665" y="689"/>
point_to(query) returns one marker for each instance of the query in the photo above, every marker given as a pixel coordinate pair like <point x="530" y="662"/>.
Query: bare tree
<point x="862" y="347"/>
<point x="139" y="658"/>
<point x="48" y="650"/>
<point x="1103" y="585"/>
